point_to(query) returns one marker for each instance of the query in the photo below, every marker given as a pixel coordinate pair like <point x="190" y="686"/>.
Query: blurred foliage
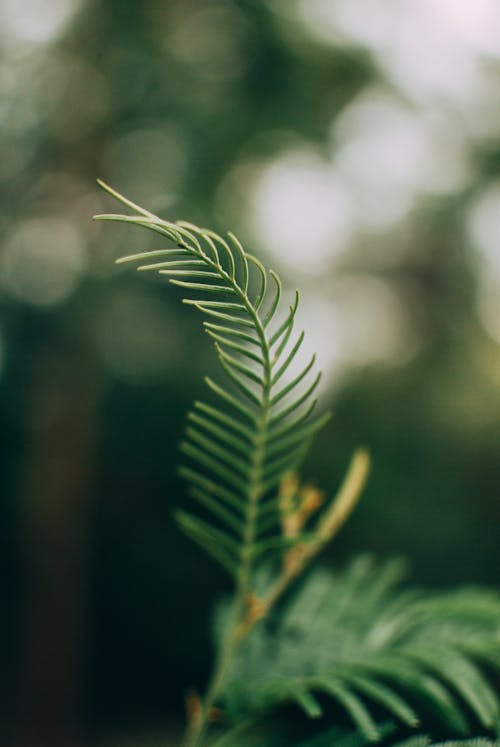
<point x="366" y="136"/>
<point x="351" y="649"/>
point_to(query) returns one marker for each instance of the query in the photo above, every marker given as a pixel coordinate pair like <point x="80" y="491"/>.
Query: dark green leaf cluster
<point x="260" y="425"/>
<point x="352" y="642"/>
<point x="335" y="737"/>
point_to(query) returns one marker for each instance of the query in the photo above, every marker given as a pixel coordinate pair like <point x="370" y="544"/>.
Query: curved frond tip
<point x="257" y="428"/>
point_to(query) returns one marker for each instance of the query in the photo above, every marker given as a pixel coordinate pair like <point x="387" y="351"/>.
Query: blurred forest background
<point x="354" y="146"/>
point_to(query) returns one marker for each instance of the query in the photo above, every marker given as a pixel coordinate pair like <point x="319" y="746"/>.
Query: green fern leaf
<point x="240" y="446"/>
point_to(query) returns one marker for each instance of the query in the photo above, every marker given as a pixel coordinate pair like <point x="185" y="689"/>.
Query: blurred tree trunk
<point x="55" y="549"/>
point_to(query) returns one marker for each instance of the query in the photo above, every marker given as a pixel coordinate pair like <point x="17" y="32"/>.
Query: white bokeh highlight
<point x="35" y="21"/>
<point x="302" y="211"/>
<point x="483" y="225"/>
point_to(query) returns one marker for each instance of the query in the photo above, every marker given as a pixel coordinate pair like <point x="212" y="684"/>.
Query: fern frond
<point x="354" y="641"/>
<point x="259" y="427"/>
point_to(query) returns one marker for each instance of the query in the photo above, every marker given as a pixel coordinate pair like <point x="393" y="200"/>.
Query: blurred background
<point x="354" y="146"/>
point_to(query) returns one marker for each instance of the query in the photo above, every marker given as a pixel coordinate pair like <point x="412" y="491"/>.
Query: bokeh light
<point x="483" y="222"/>
<point x="149" y="163"/>
<point x="212" y="40"/>
<point x="301" y="211"/>
<point x="43" y="261"/>
<point x="35" y="21"/>
<point x="484" y="227"/>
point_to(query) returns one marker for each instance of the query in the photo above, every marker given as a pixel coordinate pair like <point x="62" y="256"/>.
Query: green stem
<point x="197" y="731"/>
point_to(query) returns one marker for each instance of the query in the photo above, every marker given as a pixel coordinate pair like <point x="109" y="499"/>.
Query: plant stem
<point x="197" y="729"/>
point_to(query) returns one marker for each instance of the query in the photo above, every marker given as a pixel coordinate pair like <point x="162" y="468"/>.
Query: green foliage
<point x="353" y="642"/>
<point x="421" y="740"/>
<point x="338" y="737"/>
<point x="335" y="737"/>
<point x="260" y="427"/>
<point x="349" y="646"/>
